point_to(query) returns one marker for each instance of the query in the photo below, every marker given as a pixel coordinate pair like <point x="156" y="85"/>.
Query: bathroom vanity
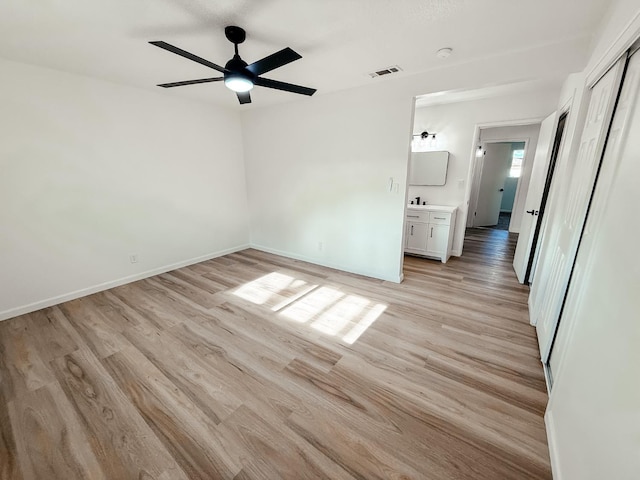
<point x="429" y="231"/>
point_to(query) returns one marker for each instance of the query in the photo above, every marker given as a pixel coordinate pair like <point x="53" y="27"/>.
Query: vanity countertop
<point x="432" y="208"/>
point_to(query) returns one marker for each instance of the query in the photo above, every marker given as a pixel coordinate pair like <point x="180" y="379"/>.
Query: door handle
<point x="533" y="212"/>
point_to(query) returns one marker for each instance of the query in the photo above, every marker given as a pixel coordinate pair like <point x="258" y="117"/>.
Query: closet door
<point x="593" y="415"/>
<point x="610" y="228"/>
<point x="554" y="271"/>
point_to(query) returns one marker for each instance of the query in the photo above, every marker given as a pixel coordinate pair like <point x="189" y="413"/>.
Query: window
<point x="516" y="163"/>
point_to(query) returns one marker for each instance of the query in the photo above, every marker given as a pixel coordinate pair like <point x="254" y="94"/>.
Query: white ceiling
<point x="341" y="41"/>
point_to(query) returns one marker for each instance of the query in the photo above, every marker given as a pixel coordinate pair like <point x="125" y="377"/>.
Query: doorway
<point x="517" y="140"/>
<point x="500" y="167"/>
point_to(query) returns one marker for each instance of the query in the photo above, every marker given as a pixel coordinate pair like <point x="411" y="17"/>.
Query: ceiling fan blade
<point x="185" y="54"/>
<point x="190" y="82"/>
<point x="287" y="87"/>
<point x="275" y="60"/>
<point x="244" y="97"/>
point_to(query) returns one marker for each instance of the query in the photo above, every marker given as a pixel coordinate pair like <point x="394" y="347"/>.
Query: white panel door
<point x="534" y="196"/>
<point x="495" y="168"/>
<point x="553" y="275"/>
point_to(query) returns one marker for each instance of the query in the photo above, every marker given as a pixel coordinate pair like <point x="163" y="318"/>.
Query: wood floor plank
<point x="391" y="414"/>
<point x="151" y="303"/>
<point x="22" y="370"/>
<point x="50" y="438"/>
<point x="122" y="442"/>
<point x="188" y="434"/>
<point x="95" y="328"/>
<point x="9" y="468"/>
<point x="271" y="451"/>
<point x="255" y="366"/>
<point x="50" y="329"/>
<point x="193" y="374"/>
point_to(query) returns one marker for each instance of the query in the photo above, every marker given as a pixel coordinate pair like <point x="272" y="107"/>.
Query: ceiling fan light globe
<point x="238" y="84"/>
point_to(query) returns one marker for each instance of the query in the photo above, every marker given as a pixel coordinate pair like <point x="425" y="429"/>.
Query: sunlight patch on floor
<point x="308" y="307"/>
<point x="273" y="289"/>
<point x="323" y="308"/>
<point x="360" y="327"/>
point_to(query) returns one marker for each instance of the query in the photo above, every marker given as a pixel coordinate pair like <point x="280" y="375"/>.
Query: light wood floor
<point x="253" y="366"/>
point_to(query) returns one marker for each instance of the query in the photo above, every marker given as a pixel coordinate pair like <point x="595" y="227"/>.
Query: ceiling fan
<point x="237" y="74"/>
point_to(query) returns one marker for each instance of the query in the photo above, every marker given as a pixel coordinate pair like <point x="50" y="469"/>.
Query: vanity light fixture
<point x="425" y="135"/>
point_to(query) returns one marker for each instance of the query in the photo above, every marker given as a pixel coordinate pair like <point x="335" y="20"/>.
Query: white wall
<point x="92" y="172"/>
<point x="593" y="416"/>
<point x="321" y="173"/>
<point x="318" y="169"/>
<point x="455" y="125"/>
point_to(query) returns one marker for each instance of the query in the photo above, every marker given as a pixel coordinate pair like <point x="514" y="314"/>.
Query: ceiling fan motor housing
<point x="236" y="67"/>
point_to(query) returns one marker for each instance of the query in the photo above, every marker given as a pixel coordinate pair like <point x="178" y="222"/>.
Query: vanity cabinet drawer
<point x="417" y="216"/>
<point x="439" y="218"/>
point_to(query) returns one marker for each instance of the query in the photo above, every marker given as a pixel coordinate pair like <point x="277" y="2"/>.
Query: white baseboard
<point x="532" y="321"/>
<point x="551" y="441"/>
<point x="456" y="253"/>
<point x="83" y="292"/>
<point x="316" y="261"/>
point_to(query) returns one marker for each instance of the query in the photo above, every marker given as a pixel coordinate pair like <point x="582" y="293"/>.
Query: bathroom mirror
<point x="428" y="168"/>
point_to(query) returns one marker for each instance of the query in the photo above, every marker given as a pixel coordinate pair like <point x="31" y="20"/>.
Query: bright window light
<point x="516" y="163"/>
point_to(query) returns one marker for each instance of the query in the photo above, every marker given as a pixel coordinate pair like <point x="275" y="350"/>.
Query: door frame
<point x="472" y="156"/>
<point x="478" y="168"/>
<point x="558" y="145"/>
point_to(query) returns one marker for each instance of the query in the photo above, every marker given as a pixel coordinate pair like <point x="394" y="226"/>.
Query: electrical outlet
<point x="133" y="258"/>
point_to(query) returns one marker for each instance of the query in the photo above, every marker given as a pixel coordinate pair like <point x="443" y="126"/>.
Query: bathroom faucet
<point x="417" y="200"/>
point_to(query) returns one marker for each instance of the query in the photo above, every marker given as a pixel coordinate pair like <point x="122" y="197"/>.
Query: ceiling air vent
<point x="386" y="71"/>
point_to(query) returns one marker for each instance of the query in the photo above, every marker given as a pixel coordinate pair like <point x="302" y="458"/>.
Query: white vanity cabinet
<point x="429" y="231"/>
